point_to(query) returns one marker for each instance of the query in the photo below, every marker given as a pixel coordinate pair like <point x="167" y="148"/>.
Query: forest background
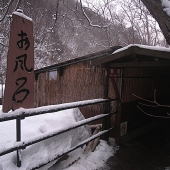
<point x="66" y="29"/>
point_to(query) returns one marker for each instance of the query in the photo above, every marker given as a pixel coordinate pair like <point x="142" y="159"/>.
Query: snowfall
<point x="35" y="126"/>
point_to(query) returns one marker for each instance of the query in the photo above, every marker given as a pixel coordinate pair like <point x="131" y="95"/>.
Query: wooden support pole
<point x="117" y="124"/>
<point x="106" y="122"/>
<point x="18" y="139"/>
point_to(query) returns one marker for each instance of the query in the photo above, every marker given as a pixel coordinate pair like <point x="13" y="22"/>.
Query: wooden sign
<point x="115" y="72"/>
<point x="19" y="86"/>
<point x="123" y="128"/>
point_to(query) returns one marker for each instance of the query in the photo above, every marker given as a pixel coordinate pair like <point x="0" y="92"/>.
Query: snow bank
<point x="48" y="149"/>
<point x="91" y="161"/>
<point x="33" y="127"/>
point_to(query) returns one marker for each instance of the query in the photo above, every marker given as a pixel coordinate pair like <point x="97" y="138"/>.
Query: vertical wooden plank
<point x="19" y="86"/>
<point x="106" y="121"/>
<point x="117" y="124"/>
<point x="18" y="138"/>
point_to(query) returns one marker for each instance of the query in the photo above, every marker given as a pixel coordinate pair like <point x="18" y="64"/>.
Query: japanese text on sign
<point x="19" y="85"/>
<point x="23" y="43"/>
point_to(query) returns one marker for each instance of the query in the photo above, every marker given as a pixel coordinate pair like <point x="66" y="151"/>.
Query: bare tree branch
<point x="152" y="104"/>
<point x="157" y="11"/>
<point x="18" y="4"/>
<point x="56" y="14"/>
<point x="88" y="19"/>
<point x="166" y="117"/>
<point x="3" y="44"/>
<point x="7" y="6"/>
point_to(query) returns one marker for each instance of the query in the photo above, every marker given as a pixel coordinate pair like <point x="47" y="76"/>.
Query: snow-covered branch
<point x="6" y="8"/>
<point x="89" y="21"/>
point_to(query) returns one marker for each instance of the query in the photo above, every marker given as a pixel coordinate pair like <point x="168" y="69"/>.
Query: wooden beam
<point x="151" y="52"/>
<point x="115" y="88"/>
<point x="131" y="52"/>
<point x="121" y="54"/>
<point x="141" y="64"/>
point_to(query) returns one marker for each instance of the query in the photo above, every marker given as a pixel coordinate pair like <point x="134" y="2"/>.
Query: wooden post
<point x="19" y="86"/>
<point x="106" y="121"/>
<point x="18" y="138"/>
<point x="116" y="131"/>
<point x="118" y="95"/>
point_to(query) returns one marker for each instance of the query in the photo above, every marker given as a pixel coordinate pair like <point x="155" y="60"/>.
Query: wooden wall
<point x="75" y="82"/>
<point x="143" y="82"/>
<point x="78" y="82"/>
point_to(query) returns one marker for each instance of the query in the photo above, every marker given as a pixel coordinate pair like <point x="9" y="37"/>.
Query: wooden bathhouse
<point x="135" y="75"/>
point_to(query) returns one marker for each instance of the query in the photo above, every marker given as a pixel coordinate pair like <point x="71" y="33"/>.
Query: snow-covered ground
<point x="36" y="154"/>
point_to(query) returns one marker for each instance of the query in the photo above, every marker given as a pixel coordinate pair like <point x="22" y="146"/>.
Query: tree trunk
<point x="157" y="11"/>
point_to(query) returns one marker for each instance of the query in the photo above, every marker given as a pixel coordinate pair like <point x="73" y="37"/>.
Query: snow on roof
<point x="166" y="6"/>
<point x="156" y="48"/>
<point x="19" y="13"/>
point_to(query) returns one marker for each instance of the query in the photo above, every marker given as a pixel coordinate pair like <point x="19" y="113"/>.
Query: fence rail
<point x="22" y="113"/>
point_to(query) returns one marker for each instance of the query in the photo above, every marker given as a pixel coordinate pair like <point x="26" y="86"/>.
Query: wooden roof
<point x="89" y="57"/>
<point x="136" y="56"/>
<point x="129" y="56"/>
